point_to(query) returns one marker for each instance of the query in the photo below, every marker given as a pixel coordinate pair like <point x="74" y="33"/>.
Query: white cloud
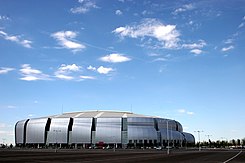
<point x="159" y="59"/>
<point x="153" y="55"/>
<point x="72" y="67"/>
<point x="91" y="68"/>
<point x="66" y="40"/>
<point x="183" y="111"/>
<point x="17" y="39"/>
<point x="118" y="12"/>
<point x="30" y="74"/>
<point x="65" y="71"/>
<point x="2" y="17"/>
<point x="11" y="107"/>
<point x="243" y="18"/>
<point x="85" y="6"/>
<point x="229" y="41"/>
<point x="167" y="35"/>
<point x="115" y="58"/>
<point x="65" y="77"/>
<point x="87" y="77"/>
<point x="224" y="49"/>
<point x="104" y="70"/>
<point x="196" y="51"/>
<point x="190" y="113"/>
<point x="241" y="25"/>
<point x="200" y="44"/>
<point x="186" y="7"/>
<point x="5" y="70"/>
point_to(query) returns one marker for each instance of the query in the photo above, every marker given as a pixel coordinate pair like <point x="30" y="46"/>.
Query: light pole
<point x="198" y="131"/>
<point x="56" y="131"/>
<point x="114" y="149"/>
<point x="167" y="139"/>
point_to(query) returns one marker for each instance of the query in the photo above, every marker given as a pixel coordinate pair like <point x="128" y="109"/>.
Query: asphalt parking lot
<point x="119" y="156"/>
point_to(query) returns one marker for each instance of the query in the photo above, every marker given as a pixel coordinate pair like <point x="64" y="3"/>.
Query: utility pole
<point x="198" y="131"/>
<point x="167" y="139"/>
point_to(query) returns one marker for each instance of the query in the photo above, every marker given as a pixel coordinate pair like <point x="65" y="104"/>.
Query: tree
<point x="243" y="141"/>
<point x="238" y="142"/>
<point x="233" y="142"/>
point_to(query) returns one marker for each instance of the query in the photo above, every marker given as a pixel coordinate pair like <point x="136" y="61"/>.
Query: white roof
<point x="100" y="114"/>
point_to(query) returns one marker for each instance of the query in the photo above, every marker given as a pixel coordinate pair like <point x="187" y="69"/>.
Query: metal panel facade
<point x="81" y="130"/>
<point x="166" y="123"/>
<point x="35" y="130"/>
<point x="19" y="132"/>
<point x="108" y="130"/>
<point x="58" y="132"/>
<point x="189" y="137"/>
<point x="141" y="129"/>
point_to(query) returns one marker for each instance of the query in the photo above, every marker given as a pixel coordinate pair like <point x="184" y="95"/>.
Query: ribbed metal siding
<point x="58" y="132"/>
<point x="19" y="132"/>
<point x="81" y="130"/>
<point x="141" y="129"/>
<point x="189" y="137"/>
<point x="35" y="130"/>
<point x="108" y="130"/>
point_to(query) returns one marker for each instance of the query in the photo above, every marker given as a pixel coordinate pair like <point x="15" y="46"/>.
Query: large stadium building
<point x="100" y="128"/>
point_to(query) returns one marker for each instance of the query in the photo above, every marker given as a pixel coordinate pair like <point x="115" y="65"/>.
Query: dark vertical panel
<point x="47" y="127"/>
<point x="69" y="129"/>
<point x="24" y="137"/>
<point x="156" y="124"/>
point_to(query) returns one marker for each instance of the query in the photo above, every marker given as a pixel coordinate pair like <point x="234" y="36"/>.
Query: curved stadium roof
<point x="99" y="114"/>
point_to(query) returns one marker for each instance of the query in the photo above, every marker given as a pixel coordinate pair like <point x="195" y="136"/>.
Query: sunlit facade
<point x="100" y="128"/>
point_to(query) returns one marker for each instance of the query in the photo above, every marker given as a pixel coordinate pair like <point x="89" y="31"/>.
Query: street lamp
<point x="167" y="139"/>
<point x="114" y="149"/>
<point x="199" y="138"/>
<point x="56" y="131"/>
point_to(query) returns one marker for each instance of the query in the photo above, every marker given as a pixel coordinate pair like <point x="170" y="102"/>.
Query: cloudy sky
<point x="175" y="59"/>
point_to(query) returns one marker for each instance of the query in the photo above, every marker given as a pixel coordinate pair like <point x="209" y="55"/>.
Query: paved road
<point x="90" y="156"/>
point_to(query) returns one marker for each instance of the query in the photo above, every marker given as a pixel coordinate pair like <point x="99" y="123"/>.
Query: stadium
<point x="100" y="129"/>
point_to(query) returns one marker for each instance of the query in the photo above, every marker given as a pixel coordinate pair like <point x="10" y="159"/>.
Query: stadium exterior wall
<point x="87" y="129"/>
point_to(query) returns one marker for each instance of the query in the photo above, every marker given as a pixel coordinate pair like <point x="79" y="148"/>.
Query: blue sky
<point x="175" y="59"/>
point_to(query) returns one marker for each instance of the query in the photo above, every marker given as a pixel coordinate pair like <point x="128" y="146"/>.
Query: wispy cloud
<point x="186" y="7"/>
<point x="118" y="12"/>
<point x="11" y="106"/>
<point x="104" y="70"/>
<point x="196" y="51"/>
<point x="5" y="70"/>
<point x="167" y="35"/>
<point x="224" y="49"/>
<point x="64" y="71"/>
<point x="241" y="25"/>
<point x="160" y="59"/>
<point x="66" y="40"/>
<point x="101" y="69"/>
<point x="115" y="58"/>
<point x="195" y="47"/>
<point x="85" y="6"/>
<point x="183" y="111"/>
<point x="3" y="17"/>
<point x="229" y="41"/>
<point x="87" y="77"/>
<point x="17" y="39"/>
<point x="91" y="68"/>
<point x="30" y="74"/>
<point x="199" y="44"/>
